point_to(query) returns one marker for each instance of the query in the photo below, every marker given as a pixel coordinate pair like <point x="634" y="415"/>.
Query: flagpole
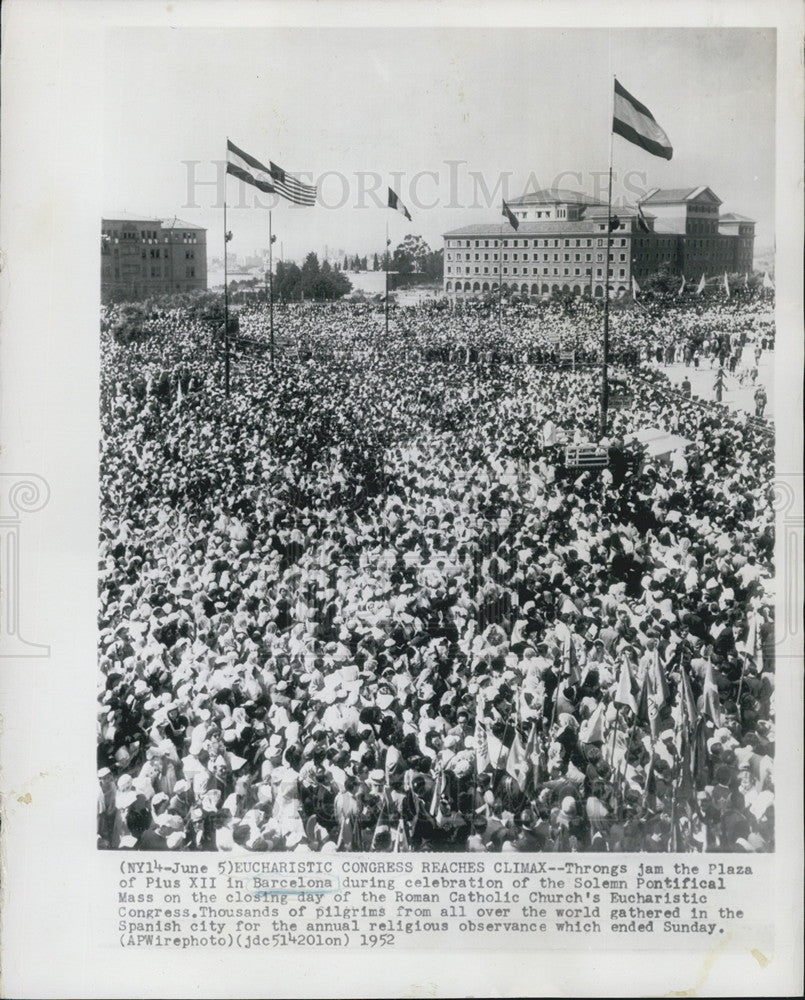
<point x="271" y="284"/>
<point x="605" y="344"/>
<point x="500" y="281"/>
<point x="386" y="258"/>
<point x="226" y="300"/>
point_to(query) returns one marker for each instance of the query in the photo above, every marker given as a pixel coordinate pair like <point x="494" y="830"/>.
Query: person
<point x="686" y="387"/>
<point x="760" y="401"/>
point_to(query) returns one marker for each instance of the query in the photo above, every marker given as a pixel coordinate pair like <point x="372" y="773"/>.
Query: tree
<point x="375" y="263"/>
<point x="346" y="263"/>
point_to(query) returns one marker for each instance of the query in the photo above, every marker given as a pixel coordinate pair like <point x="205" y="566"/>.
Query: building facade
<point x="560" y="244"/>
<point x="141" y="258"/>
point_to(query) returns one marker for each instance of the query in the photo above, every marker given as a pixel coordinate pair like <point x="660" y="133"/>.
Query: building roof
<point x="676" y="196"/>
<point x="554" y="196"/>
<point x="734" y="217"/>
<point x="552" y="227"/>
<point x="176" y="223"/>
<point x="128" y="217"/>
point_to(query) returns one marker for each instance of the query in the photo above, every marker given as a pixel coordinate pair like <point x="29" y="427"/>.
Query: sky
<point x="453" y="119"/>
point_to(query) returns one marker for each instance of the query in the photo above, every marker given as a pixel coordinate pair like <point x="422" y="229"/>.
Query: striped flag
<point x="272" y="179"/>
<point x="767" y="282"/>
<point x="633" y="121"/>
<point x="635" y="287"/>
<point x="726" y="285"/>
<point x="292" y="188"/>
<point x="395" y="203"/>
<point x="247" y="169"/>
<point x="682" y="286"/>
<point x="702" y="285"/>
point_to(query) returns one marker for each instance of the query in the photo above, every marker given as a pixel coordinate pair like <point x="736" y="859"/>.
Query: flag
<point x="614" y="222"/>
<point x="726" y="285"/>
<point x="570" y="660"/>
<point x="394" y="202"/>
<point x="228" y="236"/>
<point x="687" y="715"/>
<point x="767" y="282"/>
<point x="241" y="165"/>
<point x="592" y="729"/>
<point x="635" y="286"/>
<point x="509" y="216"/>
<point x="642" y="223"/>
<point x="682" y="286"/>
<point x="517" y="761"/>
<point x="711" y="706"/>
<point x="292" y="188"/>
<point x="482" y="760"/>
<point x="633" y="121"/>
<point x="532" y="755"/>
<point x="624" y="694"/>
<point x="702" y="284"/>
<point x="659" y="682"/>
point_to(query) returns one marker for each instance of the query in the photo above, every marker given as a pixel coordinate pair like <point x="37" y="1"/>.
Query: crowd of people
<point x="363" y="603"/>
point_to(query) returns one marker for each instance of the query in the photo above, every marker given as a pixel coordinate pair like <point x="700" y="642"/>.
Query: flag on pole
<point x="682" y="286"/>
<point x="395" y="203"/>
<point x="292" y="188"/>
<point x="711" y="706"/>
<point x="570" y="659"/>
<point x="642" y="222"/>
<point x="482" y="760"/>
<point x="767" y="282"/>
<point x="633" y="121"/>
<point x="687" y="715"/>
<point x="510" y="216"/>
<point x="517" y="761"/>
<point x="624" y="694"/>
<point x="271" y="179"/>
<point x="532" y="755"/>
<point x="726" y="285"/>
<point x="635" y="286"/>
<point x="245" y="167"/>
<point x="702" y="285"/>
<point x="659" y="682"/>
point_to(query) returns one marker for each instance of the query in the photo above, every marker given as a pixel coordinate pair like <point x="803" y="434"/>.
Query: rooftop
<point x="734" y="217"/>
<point x="554" y="196"/>
<point x="559" y="227"/>
<point x="675" y="196"/>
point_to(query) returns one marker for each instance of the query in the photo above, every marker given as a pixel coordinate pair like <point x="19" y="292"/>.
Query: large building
<point x="560" y="244"/>
<point x="141" y="258"/>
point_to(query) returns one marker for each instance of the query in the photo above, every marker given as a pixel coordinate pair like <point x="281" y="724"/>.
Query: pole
<point x="386" y="260"/>
<point x="605" y="344"/>
<point x="271" y="285"/>
<point x="226" y="307"/>
<point x="500" y="281"/>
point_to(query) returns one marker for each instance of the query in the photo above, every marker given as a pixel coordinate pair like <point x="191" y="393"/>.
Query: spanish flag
<point x="633" y="121"/>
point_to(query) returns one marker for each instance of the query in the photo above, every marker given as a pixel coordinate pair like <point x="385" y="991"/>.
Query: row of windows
<point x="145" y="236"/>
<point x="543" y="257"/>
<point x="155" y="272"/>
<point x="578" y="272"/>
<point x="512" y="242"/>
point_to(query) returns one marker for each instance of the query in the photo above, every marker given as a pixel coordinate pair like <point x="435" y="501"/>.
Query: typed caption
<point x="340" y="902"/>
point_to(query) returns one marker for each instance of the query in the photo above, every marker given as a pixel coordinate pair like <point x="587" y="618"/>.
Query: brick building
<point x="560" y="244"/>
<point x="141" y="258"/>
